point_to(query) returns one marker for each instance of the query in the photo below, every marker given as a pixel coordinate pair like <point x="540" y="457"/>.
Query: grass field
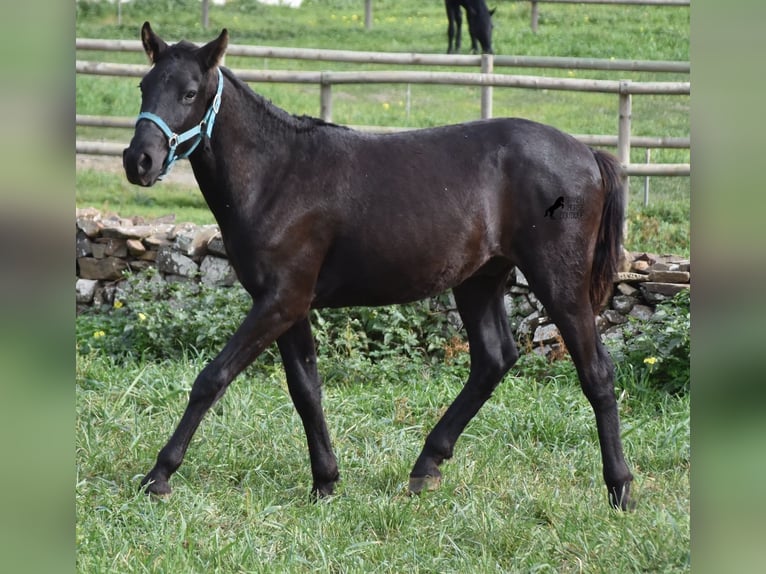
<point x="524" y="491"/>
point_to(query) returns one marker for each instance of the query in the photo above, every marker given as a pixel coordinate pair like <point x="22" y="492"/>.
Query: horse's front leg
<point x="296" y="346"/>
<point x="259" y="329"/>
<point x="454" y="22"/>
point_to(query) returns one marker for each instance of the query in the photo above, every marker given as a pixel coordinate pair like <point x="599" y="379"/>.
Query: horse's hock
<point x="109" y="246"/>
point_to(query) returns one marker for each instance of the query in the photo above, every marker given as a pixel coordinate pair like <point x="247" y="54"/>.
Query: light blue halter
<point x="174" y="140"/>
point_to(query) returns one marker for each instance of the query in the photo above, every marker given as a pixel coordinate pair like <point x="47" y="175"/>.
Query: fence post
<point x="205" y="20"/>
<point x="535" y="15"/>
<point x="367" y="14"/>
<point x="325" y="100"/>
<point x="646" y="179"/>
<point x="487" y="67"/>
<point x="623" y="133"/>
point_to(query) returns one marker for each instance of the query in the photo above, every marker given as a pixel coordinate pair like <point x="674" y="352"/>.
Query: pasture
<point x="523" y="493"/>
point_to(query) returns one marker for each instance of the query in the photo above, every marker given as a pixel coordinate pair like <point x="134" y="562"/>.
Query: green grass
<point x="112" y="193"/>
<point x="523" y="493"/>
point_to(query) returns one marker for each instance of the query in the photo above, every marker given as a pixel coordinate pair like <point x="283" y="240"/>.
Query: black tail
<point x="609" y="242"/>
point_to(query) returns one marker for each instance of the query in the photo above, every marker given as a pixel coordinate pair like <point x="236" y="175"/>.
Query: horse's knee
<point x="209" y="385"/>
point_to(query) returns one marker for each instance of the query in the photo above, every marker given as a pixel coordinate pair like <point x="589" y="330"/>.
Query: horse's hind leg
<point x="480" y="303"/>
<point x="567" y="303"/>
<point x="296" y="346"/>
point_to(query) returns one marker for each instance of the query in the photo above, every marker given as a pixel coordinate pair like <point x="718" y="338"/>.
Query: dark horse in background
<point x="317" y="215"/>
<point x="479" y="24"/>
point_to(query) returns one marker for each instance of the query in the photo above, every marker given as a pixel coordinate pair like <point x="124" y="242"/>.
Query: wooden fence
<point x="535" y="10"/>
<point x="535" y="13"/>
<point x="486" y="79"/>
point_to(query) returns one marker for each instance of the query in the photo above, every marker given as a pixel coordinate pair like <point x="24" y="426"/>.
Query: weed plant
<point x="659" y="349"/>
<point x="152" y="319"/>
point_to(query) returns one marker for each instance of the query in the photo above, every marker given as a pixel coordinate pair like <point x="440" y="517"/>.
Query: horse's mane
<point x="302" y="123"/>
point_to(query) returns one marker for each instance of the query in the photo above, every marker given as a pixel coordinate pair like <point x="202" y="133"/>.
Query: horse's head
<point x="179" y="95"/>
<point x="480" y="25"/>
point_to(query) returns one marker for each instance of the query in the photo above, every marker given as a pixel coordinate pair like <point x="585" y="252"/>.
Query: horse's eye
<point x="190" y="95"/>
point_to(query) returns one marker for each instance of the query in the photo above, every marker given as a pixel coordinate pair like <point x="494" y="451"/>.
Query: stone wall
<point x="109" y="246"/>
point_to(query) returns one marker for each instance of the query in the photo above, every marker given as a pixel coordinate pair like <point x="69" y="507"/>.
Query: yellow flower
<point x="99" y="334"/>
<point x="118" y="304"/>
<point x="141" y="317"/>
<point x="650" y="360"/>
<point x="386" y="105"/>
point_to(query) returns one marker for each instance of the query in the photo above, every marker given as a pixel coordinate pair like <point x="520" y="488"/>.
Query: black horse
<point x="316" y="215"/>
<point x="479" y="24"/>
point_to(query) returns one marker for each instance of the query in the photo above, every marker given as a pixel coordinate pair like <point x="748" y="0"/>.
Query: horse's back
<point x="445" y="178"/>
<point x="426" y="209"/>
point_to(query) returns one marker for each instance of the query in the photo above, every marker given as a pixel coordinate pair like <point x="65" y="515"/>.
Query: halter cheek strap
<point x="205" y="127"/>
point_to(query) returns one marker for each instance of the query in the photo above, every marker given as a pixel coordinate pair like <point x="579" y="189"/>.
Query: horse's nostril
<point x="144" y="164"/>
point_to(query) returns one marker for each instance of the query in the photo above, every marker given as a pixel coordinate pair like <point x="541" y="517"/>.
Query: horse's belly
<point x="389" y="276"/>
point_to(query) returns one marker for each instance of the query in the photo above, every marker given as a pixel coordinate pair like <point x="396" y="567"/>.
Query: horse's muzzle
<point x="140" y="168"/>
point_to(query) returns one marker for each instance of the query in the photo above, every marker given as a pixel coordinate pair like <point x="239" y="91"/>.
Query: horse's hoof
<point x="325" y="487"/>
<point x="625" y="504"/>
<point x="420" y="483"/>
<point x="156" y="487"/>
<point x="624" y="501"/>
<point x="320" y="493"/>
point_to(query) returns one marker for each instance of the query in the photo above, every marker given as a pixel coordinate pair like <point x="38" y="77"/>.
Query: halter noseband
<point x="174" y="140"/>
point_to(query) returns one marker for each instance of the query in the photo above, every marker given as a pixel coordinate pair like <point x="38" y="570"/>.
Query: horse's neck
<point x="250" y="139"/>
<point x="249" y="122"/>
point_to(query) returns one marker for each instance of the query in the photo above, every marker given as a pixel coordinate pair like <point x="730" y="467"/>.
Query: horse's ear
<point x="212" y="52"/>
<point x="153" y="44"/>
<point x="492" y="12"/>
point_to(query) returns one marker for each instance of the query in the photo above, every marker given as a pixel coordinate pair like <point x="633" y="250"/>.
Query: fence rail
<point x="115" y="149"/>
<point x="412" y="59"/>
<point x="485" y="79"/>
<point x="413" y="77"/>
